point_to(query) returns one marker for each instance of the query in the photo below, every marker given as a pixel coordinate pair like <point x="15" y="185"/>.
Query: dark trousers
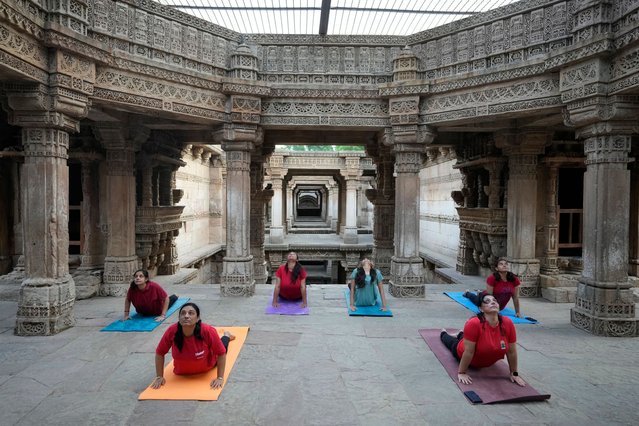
<point x="472" y="297"/>
<point x="451" y="342"/>
<point x="172" y="299"/>
<point x="225" y="341"/>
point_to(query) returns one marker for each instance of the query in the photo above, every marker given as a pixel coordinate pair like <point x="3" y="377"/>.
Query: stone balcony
<point x="155" y="230"/>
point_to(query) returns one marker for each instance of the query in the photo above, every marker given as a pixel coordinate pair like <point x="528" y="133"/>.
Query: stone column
<point x="383" y="199"/>
<point x="5" y="195"/>
<point x="121" y="261"/>
<point x="350" y="230"/>
<point x="351" y="174"/>
<point x="277" y="230"/>
<point x="259" y="199"/>
<point x="604" y="302"/>
<point x="551" y="226"/>
<point x="522" y="149"/>
<point x="291" y="214"/>
<point x="333" y="197"/>
<point x="45" y="305"/>
<point x="633" y="236"/>
<point x="407" y="268"/>
<point x="237" y="276"/>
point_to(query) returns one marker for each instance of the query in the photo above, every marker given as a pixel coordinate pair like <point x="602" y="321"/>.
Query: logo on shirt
<point x="199" y="355"/>
<point x="503" y="345"/>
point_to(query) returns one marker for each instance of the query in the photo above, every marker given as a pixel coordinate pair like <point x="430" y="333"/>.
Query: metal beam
<point x="326" y="10"/>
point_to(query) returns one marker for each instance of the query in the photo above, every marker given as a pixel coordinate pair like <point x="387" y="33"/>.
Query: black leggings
<point x="451" y="342"/>
<point x="172" y="299"/>
<point x="472" y="297"/>
<point x="225" y="341"/>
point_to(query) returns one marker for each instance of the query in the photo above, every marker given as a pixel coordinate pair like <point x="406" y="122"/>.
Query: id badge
<point x="503" y="345"/>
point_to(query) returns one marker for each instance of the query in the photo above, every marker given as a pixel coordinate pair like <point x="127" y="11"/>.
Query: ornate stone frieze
<point x="564" y="57"/>
<point x="172" y="14"/>
<point x="323" y="93"/>
<point x="27" y="15"/>
<point x="491" y="221"/>
<point x="534" y="93"/>
<point x="210" y="83"/>
<point x="45" y="142"/>
<point x="71" y="14"/>
<point x="24" y="50"/>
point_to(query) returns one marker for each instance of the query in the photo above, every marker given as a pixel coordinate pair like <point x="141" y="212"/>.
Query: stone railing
<point x="482" y="238"/>
<point x="155" y="231"/>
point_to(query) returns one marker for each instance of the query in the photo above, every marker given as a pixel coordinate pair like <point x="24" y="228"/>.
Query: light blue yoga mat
<point x="458" y="296"/>
<point x="365" y="311"/>
<point x="137" y="322"/>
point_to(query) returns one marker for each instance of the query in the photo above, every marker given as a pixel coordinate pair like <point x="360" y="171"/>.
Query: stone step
<point x="560" y="280"/>
<point x="559" y="294"/>
<point x="451" y="276"/>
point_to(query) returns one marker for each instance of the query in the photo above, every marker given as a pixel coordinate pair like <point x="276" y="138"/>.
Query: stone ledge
<point x="189" y="259"/>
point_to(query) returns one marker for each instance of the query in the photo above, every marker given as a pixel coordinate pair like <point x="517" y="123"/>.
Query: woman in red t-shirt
<point x="485" y="340"/>
<point x="290" y="281"/>
<point x="147" y="296"/>
<point x="195" y="347"/>
<point x="502" y="284"/>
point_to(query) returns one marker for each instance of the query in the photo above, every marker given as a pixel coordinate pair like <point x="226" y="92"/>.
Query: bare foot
<point x="229" y="335"/>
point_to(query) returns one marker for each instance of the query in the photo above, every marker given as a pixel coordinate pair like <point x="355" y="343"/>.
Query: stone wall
<point x="439" y="222"/>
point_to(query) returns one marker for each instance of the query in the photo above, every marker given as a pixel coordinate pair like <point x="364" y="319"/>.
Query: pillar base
<point x="237" y="277"/>
<point x="45" y="306"/>
<point x="528" y="272"/>
<point x="382" y="257"/>
<point x="407" y="277"/>
<point x="260" y="272"/>
<point x="118" y="274"/>
<point x="604" y="311"/>
<point x="87" y="282"/>
<point x="350" y="235"/>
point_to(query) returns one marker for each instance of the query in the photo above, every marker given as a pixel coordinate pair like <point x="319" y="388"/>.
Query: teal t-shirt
<point x="369" y="294"/>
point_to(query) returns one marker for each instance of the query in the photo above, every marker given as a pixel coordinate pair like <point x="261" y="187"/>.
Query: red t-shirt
<point x="490" y="344"/>
<point x="502" y="290"/>
<point x="149" y="301"/>
<point x="290" y="290"/>
<point x="196" y="356"/>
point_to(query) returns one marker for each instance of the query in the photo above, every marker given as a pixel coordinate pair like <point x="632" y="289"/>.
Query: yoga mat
<point x="137" y="322"/>
<point x="365" y="311"/>
<point x="287" y="307"/>
<point x="458" y="296"/>
<point x="492" y="384"/>
<point x="197" y="387"/>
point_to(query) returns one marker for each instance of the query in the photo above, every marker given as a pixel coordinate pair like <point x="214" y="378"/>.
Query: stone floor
<point x="322" y="369"/>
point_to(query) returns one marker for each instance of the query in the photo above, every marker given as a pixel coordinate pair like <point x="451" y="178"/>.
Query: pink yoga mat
<point x="492" y="384"/>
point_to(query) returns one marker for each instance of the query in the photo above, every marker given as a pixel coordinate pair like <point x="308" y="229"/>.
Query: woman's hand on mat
<point x="383" y="308"/>
<point x="518" y="315"/>
<point x="303" y="305"/>
<point x="217" y="383"/>
<point x="464" y="378"/>
<point x="157" y="382"/>
<point x="353" y="308"/>
<point x="275" y="304"/>
<point x="126" y="317"/>
<point x="160" y="318"/>
<point x="518" y="380"/>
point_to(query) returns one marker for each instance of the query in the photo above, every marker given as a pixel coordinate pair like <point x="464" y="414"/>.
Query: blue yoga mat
<point x="137" y="322"/>
<point x="365" y="311"/>
<point x="458" y="296"/>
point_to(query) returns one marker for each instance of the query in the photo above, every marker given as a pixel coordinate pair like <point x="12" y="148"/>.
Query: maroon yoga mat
<point x="492" y="384"/>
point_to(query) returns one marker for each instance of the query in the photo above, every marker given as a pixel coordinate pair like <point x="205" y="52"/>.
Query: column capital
<point x="237" y="137"/>
<point x="41" y="106"/>
<point x="611" y="114"/>
<point x="116" y="135"/>
<point x="523" y="141"/>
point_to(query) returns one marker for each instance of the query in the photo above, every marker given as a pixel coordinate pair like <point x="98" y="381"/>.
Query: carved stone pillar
<point x="291" y="215"/>
<point x="5" y="195"/>
<point x="259" y="199"/>
<point x="351" y="174"/>
<point x="237" y="276"/>
<point x="121" y="260"/>
<point x="633" y="236"/>
<point x="350" y="230"/>
<point x="604" y="303"/>
<point x="551" y="225"/>
<point x="276" y="235"/>
<point x="407" y="268"/>
<point x="383" y="199"/>
<point x="333" y="197"/>
<point x="522" y="150"/>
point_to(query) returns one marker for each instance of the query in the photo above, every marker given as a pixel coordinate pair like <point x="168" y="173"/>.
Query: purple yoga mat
<point x="287" y="307"/>
<point x="492" y="384"/>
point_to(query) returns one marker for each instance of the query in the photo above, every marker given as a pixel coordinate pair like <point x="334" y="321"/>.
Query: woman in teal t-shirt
<point x="366" y="286"/>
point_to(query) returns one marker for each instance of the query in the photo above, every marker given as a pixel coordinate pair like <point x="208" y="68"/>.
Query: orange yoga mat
<point x="198" y="386"/>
